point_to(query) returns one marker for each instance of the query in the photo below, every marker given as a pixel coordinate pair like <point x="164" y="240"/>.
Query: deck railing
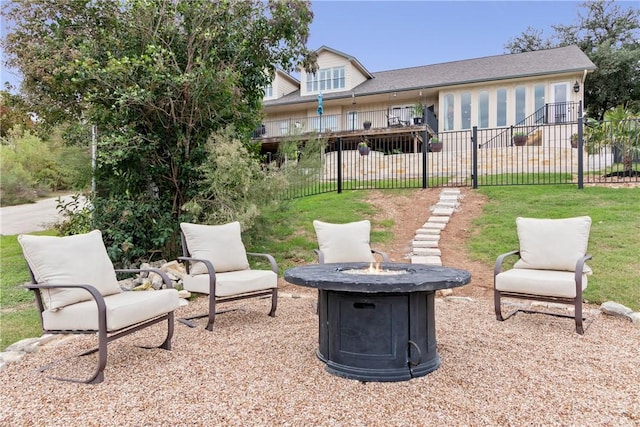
<point x="352" y="121"/>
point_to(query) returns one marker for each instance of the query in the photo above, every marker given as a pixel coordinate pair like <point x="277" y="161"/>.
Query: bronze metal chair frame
<point x="104" y="336"/>
<point x="213" y="300"/>
<point x="576" y="302"/>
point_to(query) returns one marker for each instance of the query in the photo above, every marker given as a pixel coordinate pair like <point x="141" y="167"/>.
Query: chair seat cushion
<point x="232" y="282"/>
<point x="344" y="242"/>
<point x="123" y="309"/>
<point x="78" y="259"/>
<point x="220" y="244"/>
<point x="539" y="282"/>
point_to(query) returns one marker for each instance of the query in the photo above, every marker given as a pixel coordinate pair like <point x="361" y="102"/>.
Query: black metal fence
<point x="550" y="153"/>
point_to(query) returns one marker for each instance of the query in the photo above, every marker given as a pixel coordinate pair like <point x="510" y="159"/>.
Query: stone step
<point x="424" y="244"/>
<point x="428" y="260"/>
<point x="428" y="237"/>
<point x="433" y="226"/>
<point x="443" y="211"/>
<point x="427" y="232"/>
<point x="427" y="252"/>
<point x="440" y="219"/>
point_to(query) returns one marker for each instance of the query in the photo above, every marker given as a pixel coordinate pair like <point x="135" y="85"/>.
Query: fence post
<point x="474" y="158"/>
<point x="580" y="147"/>
<point x="424" y="158"/>
<point x="339" y="165"/>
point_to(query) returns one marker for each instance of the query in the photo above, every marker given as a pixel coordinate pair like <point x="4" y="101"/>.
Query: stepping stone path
<point x="425" y="243"/>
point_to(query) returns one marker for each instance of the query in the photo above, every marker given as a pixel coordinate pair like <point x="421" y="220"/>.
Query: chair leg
<point x="212" y="313"/>
<point x="166" y="345"/>
<point x="496" y="304"/>
<point x="98" y="375"/>
<point x="578" y="314"/>
<point x="274" y="302"/>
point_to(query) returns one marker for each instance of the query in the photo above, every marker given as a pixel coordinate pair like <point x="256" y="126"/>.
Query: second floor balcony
<point x="351" y="123"/>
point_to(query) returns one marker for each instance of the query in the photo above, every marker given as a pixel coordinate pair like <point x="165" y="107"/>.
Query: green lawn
<point x="614" y="240"/>
<point x="288" y="234"/>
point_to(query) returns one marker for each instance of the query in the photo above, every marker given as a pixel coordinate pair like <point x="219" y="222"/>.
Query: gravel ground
<point x="254" y="370"/>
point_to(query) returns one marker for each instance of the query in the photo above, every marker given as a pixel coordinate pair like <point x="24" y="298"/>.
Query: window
<point x="483" y="109"/>
<point x="465" y="105"/>
<point x="284" y="127"/>
<point x="501" y="107"/>
<point x="521" y="103"/>
<point x="449" y="110"/>
<point x="352" y="120"/>
<point x="326" y="79"/>
<point x="538" y="93"/>
<point x="268" y="91"/>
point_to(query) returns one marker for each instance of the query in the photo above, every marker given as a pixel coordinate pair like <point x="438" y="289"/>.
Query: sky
<point x="388" y="35"/>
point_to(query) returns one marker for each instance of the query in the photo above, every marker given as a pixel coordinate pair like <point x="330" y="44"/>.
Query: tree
<point x="157" y="77"/>
<point x="620" y="129"/>
<point x="610" y="36"/>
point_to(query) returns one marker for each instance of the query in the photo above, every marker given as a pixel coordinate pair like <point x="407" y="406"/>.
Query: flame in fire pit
<point x="376" y="270"/>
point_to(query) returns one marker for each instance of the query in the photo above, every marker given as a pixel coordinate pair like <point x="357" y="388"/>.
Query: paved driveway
<point x="30" y="217"/>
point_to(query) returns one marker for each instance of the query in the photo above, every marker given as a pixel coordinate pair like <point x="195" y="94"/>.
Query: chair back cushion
<point x="80" y="259"/>
<point x="552" y="244"/>
<point x="344" y="242"/>
<point x="220" y="244"/>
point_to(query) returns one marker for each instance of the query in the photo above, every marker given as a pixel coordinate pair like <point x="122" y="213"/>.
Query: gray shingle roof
<point x="490" y="68"/>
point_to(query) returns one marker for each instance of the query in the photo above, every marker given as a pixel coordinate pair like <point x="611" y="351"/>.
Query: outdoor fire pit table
<point x="377" y="325"/>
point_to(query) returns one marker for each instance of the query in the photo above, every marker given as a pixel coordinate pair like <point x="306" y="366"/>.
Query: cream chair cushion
<point x="570" y="237"/>
<point x="80" y="259"/>
<point x="220" y="244"/>
<point x="551" y="283"/>
<point x="344" y="242"/>
<point x="123" y="309"/>
<point x="232" y="282"/>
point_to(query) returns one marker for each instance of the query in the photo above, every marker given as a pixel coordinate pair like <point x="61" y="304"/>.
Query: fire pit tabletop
<point x="415" y="277"/>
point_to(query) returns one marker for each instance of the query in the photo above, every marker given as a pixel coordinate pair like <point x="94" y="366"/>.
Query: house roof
<point x="352" y="59"/>
<point x="485" y="69"/>
<point x="287" y="76"/>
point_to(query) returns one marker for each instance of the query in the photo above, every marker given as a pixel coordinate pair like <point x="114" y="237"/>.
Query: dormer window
<point x="326" y="79"/>
<point x="268" y="91"/>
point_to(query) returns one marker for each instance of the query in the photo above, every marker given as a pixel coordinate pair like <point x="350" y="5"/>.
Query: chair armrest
<point x="210" y="270"/>
<point x="95" y="295"/>
<point x="168" y="283"/>
<point x="320" y="255"/>
<point x="270" y="258"/>
<point x="498" y="266"/>
<point x="385" y="257"/>
<point x="206" y="262"/>
<point x="579" y="270"/>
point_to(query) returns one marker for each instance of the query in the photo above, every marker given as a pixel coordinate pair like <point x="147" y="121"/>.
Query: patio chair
<point x="395" y="121"/>
<point x="217" y="265"/>
<point x="77" y="292"/>
<point x="550" y="267"/>
<point x="346" y="243"/>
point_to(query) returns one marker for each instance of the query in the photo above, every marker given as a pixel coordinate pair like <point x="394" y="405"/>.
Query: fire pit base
<point x="377" y="337"/>
<point x="377" y="327"/>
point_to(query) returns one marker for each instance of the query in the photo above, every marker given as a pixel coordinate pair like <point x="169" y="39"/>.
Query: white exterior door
<point x="559" y="111"/>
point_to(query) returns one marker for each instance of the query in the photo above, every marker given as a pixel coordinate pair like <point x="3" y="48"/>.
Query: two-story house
<point x="490" y="92"/>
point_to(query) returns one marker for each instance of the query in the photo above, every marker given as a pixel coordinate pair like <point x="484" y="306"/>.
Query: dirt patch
<point x="411" y="211"/>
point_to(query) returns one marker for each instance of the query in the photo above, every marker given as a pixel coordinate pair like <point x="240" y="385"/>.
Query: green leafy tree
<point x="13" y="112"/>
<point x="610" y="36"/>
<point x="157" y="77"/>
<point x="619" y="129"/>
